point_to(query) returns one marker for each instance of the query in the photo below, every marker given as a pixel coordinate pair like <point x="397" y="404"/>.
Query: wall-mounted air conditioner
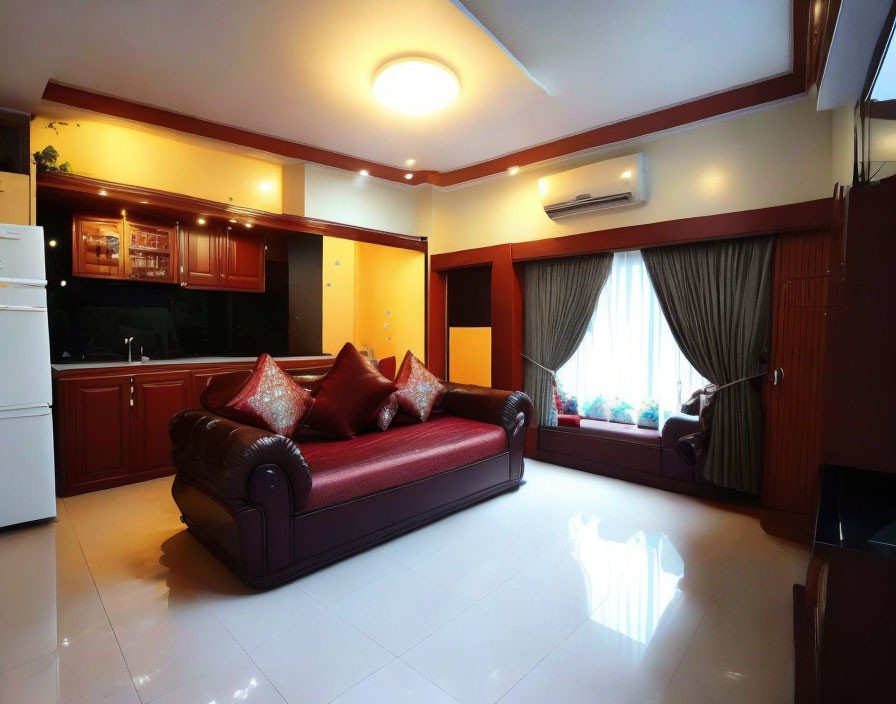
<point x="606" y="184"/>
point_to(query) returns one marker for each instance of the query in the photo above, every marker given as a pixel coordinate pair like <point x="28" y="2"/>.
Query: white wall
<point x="352" y="199"/>
<point x="770" y="157"/>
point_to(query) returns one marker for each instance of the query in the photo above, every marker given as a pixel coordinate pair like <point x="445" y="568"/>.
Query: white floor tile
<point x="396" y="683"/>
<point x="237" y="680"/>
<point x="337" y="581"/>
<point x="320" y="659"/>
<point x="478" y="656"/>
<point x="401" y="609"/>
<point x="562" y="679"/>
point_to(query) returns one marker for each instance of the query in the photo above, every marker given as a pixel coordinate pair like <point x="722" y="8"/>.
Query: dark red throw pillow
<point x="349" y="395"/>
<point x="387" y="367"/>
<point x="269" y="399"/>
<point x="417" y="389"/>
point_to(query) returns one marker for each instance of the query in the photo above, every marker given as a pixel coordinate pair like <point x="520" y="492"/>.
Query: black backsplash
<point x="90" y="318"/>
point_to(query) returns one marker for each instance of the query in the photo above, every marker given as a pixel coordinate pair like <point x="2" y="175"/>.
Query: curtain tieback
<point x="736" y="381"/>
<point x="549" y="371"/>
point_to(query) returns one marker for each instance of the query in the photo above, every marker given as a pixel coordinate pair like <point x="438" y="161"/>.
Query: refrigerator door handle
<point x="34" y="283"/>
<point x="25" y="309"/>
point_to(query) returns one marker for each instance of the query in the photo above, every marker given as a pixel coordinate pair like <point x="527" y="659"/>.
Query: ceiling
<point x="301" y="70"/>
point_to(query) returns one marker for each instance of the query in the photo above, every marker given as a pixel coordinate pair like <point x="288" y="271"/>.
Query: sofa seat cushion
<point x="621" y="432"/>
<point x="347" y="469"/>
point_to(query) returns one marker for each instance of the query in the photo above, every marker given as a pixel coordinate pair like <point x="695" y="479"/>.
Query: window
<point x="628" y="361"/>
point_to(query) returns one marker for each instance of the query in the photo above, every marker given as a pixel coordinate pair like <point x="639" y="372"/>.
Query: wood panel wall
<point x="803" y="271"/>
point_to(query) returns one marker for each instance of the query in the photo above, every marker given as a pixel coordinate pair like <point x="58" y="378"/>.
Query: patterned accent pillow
<point x="269" y="399"/>
<point x="417" y="389"/>
<point x="349" y="395"/>
<point x="386" y="412"/>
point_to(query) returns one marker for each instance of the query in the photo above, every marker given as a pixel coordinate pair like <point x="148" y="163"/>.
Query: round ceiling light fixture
<point x="415" y="85"/>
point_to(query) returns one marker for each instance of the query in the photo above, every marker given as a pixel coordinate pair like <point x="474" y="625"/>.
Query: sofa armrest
<point x="677" y="427"/>
<point x="220" y="455"/>
<point x="488" y="405"/>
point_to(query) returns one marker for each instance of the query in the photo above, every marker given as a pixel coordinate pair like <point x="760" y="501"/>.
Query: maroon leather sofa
<point x="272" y="509"/>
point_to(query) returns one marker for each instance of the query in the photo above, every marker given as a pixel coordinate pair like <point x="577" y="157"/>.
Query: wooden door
<point x="98" y="247"/>
<point x="96" y="414"/>
<point x="157" y="397"/>
<point x="151" y="252"/>
<point x="794" y="406"/>
<point x="201" y="259"/>
<point x="243" y="261"/>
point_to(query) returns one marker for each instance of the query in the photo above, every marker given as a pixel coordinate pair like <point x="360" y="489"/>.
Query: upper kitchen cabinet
<point x="243" y="260"/>
<point x="222" y="258"/>
<point x="151" y="252"/>
<point x="97" y="247"/>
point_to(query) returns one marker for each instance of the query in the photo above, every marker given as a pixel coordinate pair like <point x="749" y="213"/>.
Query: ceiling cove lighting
<point x="364" y="172"/>
<point x="415" y="86"/>
<point x="409" y="176"/>
<point x="513" y="170"/>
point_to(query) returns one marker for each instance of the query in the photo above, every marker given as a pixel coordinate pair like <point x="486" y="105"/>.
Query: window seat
<point x="624" y="451"/>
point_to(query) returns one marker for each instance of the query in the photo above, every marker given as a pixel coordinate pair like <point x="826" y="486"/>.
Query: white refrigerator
<point x="27" y="487"/>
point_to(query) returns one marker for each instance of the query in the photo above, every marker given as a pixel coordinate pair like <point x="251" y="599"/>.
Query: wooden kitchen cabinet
<point x="243" y="261"/>
<point x="98" y="247"/>
<point x="156" y="397"/>
<point x="94" y="441"/>
<point x="151" y="252"/>
<point x="222" y="258"/>
<point x="111" y="423"/>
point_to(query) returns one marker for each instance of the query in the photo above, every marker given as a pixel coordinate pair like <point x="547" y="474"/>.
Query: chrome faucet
<point x="128" y="341"/>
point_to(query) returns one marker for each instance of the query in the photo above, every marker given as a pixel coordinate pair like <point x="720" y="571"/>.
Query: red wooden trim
<point x="507" y="322"/>
<point x="882" y="109"/>
<point x="809" y="215"/>
<point x="437" y="326"/>
<point x="151" y="115"/>
<point x="740" y="98"/>
<point x="82" y="190"/>
<point x="821" y="32"/>
<point x="700" y="109"/>
<point x="466" y="257"/>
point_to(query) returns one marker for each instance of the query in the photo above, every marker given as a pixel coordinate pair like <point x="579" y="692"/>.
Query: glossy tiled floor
<point x="576" y="588"/>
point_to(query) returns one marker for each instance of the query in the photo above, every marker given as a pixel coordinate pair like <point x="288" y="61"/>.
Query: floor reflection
<point x="639" y="572"/>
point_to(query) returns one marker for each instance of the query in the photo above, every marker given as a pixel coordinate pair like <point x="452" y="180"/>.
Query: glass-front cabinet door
<point x="98" y="247"/>
<point x="151" y="252"/>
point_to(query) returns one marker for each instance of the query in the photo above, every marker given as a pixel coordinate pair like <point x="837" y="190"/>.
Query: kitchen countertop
<point x="182" y="360"/>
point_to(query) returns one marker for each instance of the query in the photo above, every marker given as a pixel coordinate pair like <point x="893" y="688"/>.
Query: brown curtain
<point x="716" y="298"/>
<point x="559" y="298"/>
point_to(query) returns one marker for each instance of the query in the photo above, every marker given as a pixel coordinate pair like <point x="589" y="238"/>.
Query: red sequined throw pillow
<point x="349" y="395"/>
<point x="417" y="389"/>
<point x="270" y="399"/>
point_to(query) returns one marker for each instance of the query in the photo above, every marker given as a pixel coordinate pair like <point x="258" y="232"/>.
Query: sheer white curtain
<point x="628" y="355"/>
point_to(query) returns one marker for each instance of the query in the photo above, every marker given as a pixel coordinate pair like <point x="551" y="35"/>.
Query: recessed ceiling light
<point x="52" y="243"/>
<point x="364" y="172"/>
<point x="513" y="170"/>
<point x="410" y="163"/>
<point x="626" y="174"/>
<point x="249" y="225"/>
<point x="63" y="283"/>
<point x="409" y="176"/>
<point x="102" y="192"/>
<point x="201" y="221"/>
<point x="144" y="202"/>
<point x="415" y="86"/>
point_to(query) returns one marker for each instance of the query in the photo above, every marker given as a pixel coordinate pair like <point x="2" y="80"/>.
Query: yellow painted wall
<point x="167" y="162"/>
<point x="765" y="158"/>
<point x="389" y="300"/>
<point x="470" y="356"/>
<point x="338" y="300"/>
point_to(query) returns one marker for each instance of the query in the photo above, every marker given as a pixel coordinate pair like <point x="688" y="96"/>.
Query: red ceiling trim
<point x="741" y="98"/>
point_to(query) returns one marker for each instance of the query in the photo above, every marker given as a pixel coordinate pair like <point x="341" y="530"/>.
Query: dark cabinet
<point x="98" y="430"/>
<point x="113" y="429"/>
<point x="156" y="398"/>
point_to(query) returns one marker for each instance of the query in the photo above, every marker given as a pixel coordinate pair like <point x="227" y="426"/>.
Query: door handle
<point x="777" y="376"/>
